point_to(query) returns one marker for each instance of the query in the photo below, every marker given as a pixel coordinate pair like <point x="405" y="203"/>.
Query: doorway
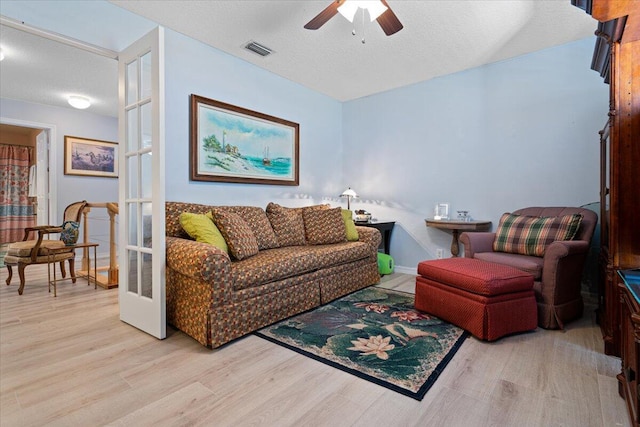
<point x="37" y="137"/>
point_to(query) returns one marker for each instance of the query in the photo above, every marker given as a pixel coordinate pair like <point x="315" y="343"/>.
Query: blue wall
<point x="517" y="133"/>
<point x="492" y="139"/>
<point x="195" y="68"/>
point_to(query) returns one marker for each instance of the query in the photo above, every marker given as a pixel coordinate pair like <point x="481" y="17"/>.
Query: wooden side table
<point x="456" y="227"/>
<point x="385" y="228"/>
<point x="51" y="257"/>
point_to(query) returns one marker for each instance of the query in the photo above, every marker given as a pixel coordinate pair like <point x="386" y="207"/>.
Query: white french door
<point x="141" y="248"/>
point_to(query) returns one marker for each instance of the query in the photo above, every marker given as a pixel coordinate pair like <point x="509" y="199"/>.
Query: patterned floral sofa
<point x="281" y="262"/>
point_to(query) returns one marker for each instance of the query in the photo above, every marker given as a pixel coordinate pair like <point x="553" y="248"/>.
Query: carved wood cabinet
<point x="630" y="344"/>
<point x="617" y="58"/>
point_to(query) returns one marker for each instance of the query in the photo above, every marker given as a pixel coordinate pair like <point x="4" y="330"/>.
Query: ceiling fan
<point x="378" y="10"/>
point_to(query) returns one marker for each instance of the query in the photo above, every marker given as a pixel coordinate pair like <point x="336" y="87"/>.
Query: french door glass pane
<point x="132" y="129"/>
<point x="132" y="259"/>
<point x="132" y="82"/>
<point x="132" y="171"/>
<point x="147" y="221"/>
<point x="145" y="119"/>
<point x="145" y="76"/>
<point x="146" y="178"/>
<point x="147" y="276"/>
<point x="133" y="224"/>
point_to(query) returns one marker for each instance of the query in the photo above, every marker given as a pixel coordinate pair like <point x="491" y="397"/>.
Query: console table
<point x="456" y="227"/>
<point x="385" y="228"/>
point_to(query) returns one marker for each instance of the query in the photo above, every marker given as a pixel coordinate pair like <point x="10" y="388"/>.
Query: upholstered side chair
<point x="557" y="274"/>
<point x="34" y="251"/>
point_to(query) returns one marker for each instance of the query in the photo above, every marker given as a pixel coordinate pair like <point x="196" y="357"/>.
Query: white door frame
<point x="52" y="169"/>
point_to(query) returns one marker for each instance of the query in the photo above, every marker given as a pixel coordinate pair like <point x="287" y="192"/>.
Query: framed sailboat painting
<point x="233" y="144"/>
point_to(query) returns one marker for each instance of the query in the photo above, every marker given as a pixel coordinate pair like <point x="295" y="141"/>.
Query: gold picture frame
<point x="90" y="157"/>
<point x="233" y="144"/>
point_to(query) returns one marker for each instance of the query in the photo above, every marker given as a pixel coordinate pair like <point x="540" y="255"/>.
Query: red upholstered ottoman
<point x="487" y="299"/>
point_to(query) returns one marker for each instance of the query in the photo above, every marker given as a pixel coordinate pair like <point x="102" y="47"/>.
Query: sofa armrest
<point x="369" y="235"/>
<point x="477" y="242"/>
<point x="200" y="261"/>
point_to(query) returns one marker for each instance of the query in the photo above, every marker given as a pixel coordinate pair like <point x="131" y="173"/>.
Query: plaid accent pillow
<point x="324" y="226"/>
<point x="240" y="239"/>
<point x="529" y="235"/>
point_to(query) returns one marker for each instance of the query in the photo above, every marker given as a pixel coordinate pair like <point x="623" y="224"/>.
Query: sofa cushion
<point x="350" y="226"/>
<point x="528" y="263"/>
<point x="287" y="224"/>
<point x="324" y="226"/>
<point x="529" y="235"/>
<point x="237" y="233"/>
<point x="284" y="262"/>
<point x="202" y="229"/>
<point x="257" y="220"/>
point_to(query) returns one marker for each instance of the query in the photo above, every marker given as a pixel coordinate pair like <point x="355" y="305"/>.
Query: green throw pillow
<point x="201" y="228"/>
<point x="352" y="231"/>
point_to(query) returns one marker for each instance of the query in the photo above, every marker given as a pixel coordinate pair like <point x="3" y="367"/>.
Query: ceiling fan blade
<point x="324" y="16"/>
<point x="389" y="21"/>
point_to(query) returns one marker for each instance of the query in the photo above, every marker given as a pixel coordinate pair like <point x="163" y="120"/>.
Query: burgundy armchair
<point x="557" y="274"/>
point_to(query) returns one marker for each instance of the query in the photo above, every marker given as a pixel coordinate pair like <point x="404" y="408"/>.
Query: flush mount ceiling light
<point x="79" y="102"/>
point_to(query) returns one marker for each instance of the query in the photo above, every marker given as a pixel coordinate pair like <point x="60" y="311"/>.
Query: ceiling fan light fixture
<point x="79" y="102"/>
<point x="349" y="8"/>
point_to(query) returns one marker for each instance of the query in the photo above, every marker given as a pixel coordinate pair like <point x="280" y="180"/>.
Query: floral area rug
<point x="376" y="334"/>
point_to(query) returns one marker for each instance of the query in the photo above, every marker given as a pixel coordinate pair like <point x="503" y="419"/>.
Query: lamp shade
<point x="349" y="193"/>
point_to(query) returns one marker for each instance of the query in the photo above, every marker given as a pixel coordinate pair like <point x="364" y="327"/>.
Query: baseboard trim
<point x="406" y="270"/>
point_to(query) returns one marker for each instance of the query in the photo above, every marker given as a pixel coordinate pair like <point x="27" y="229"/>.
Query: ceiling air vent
<point x="258" y="48"/>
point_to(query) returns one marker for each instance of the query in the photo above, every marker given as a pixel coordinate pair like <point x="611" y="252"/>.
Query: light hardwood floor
<point x="70" y="361"/>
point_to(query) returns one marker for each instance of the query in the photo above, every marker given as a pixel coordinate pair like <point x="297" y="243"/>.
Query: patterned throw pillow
<point x="237" y="233"/>
<point x="324" y="226"/>
<point x="287" y="224"/>
<point x="201" y="228"/>
<point x="529" y="235"/>
<point x="257" y="220"/>
<point x="352" y="231"/>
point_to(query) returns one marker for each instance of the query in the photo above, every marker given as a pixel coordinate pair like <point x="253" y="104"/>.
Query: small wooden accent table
<point x="50" y="261"/>
<point x="456" y="227"/>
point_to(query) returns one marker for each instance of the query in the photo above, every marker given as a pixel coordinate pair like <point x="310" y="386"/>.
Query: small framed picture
<point x="441" y="211"/>
<point x="90" y="157"/>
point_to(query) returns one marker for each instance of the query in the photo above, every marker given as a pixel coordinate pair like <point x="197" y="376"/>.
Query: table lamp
<point x="349" y="194"/>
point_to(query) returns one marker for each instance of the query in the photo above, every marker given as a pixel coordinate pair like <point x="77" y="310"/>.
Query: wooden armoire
<point x="617" y="58"/>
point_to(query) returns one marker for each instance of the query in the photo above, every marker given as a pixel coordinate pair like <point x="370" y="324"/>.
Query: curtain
<point x="16" y="212"/>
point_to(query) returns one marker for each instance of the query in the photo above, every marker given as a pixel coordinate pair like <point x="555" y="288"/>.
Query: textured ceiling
<point x="439" y="37"/>
<point x="47" y="72"/>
